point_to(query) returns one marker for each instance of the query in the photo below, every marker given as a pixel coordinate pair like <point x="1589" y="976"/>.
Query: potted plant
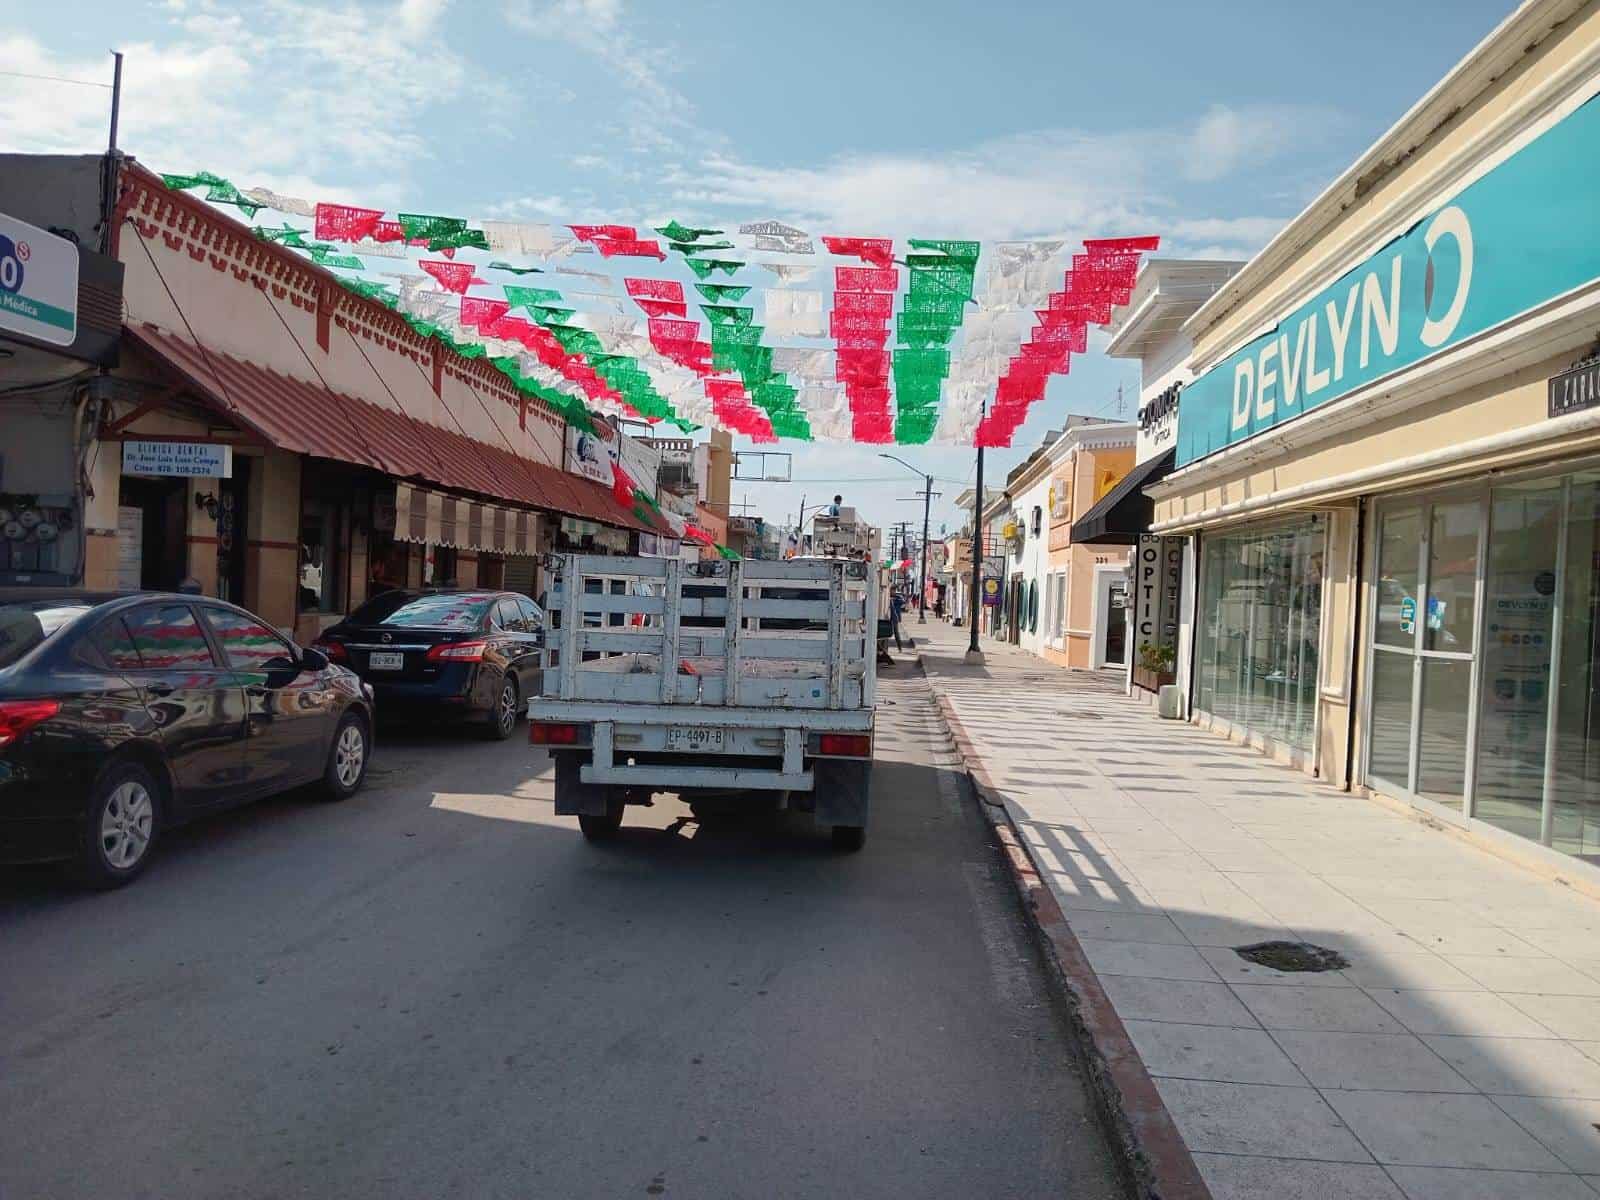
<point x="1154" y="668"/>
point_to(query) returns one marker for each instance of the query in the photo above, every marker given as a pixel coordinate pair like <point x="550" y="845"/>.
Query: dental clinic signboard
<point x="38" y="283"/>
<point x="1521" y="235"/>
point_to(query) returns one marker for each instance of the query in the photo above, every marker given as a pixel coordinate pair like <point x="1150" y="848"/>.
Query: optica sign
<point x="38" y="283"/>
<point x="1526" y="232"/>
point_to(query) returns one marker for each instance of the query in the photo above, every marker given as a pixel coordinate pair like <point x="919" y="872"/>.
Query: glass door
<point x="1425" y="616"/>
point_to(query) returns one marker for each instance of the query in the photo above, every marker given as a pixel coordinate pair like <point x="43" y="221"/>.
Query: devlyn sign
<point x="1526" y="232"/>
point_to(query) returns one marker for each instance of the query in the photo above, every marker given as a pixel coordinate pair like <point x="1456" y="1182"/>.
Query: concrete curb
<point x="1130" y="1106"/>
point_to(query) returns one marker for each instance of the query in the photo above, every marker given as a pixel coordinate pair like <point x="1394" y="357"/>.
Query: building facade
<point x="1396" y="487"/>
<point x="279" y="441"/>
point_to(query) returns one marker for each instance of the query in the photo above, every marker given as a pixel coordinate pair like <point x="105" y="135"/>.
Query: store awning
<point x="311" y="419"/>
<point x="1124" y="512"/>
<point x="440" y="519"/>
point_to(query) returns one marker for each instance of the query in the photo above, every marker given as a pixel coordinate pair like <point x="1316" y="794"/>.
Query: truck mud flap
<point x="841" y="791"/>
<point x="573" y="796"/>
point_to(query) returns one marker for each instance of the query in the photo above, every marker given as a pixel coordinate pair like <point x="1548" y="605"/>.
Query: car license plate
<point x="694" y="737"/>
<point x="380" y="660"/>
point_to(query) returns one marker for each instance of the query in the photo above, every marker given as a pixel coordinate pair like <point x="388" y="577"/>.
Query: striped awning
<point x="441" y="519"/>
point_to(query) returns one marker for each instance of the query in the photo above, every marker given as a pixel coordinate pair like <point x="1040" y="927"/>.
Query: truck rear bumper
<point x="672" y="779"/>
<point x="699" y="770"/>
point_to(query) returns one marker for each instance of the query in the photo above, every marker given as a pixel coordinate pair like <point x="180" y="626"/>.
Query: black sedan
<point x="467" y="653"/>
<point x="122" y="715"/>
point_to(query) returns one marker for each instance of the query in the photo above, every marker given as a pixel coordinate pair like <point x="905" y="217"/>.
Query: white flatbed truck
<point x="711" y="680"/>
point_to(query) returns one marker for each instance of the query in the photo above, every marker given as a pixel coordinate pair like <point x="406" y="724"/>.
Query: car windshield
<point x="24" y="625"/>
<point x="443" y="610"/>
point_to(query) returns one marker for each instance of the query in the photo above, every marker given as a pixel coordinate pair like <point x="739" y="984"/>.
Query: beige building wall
<point x="1477" y="407"/>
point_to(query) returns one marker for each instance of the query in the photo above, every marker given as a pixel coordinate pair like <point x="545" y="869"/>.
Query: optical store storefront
<point x="1390" y="459"/>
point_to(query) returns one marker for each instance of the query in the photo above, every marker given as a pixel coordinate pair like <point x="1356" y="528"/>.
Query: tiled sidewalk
<point x="1457" y="1057"/>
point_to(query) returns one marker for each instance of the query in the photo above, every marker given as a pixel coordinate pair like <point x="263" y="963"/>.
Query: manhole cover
<point x="1292" y="956"/>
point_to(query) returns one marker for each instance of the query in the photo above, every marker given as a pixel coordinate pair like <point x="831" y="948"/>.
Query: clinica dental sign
<point x="1526" y="232"/>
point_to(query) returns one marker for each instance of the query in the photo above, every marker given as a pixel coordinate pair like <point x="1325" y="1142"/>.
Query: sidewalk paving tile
<point x="1564" y="1016"/>
<point x="1503" y="973"/>
<point x="1522" y="1066"/>
<point x="1212" y="1052"/>
<point x="1439" y="1130"/>
<point x="1484" y="1014"/>
<point x="1150" y="959"/>
<point x="1250" y="1177"/>
<point x="1378" y="1062"/>
<point x="1186" y="1001"/>
<point x="1444" y="1183"/>
<point x="1347" y="1010"/>
<point x="1571" y="1128"/>
<point x="1248" y="1118"/>
<point x="1127" y="927"/>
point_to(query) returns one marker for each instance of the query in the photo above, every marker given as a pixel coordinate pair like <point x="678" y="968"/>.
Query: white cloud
<point x="656" y="114"/>
<point x="292" y="90"/>
<point x="1057" y="182"/>
<point x="1226" y="139"/>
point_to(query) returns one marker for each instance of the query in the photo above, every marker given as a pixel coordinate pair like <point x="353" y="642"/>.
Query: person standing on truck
<point x="897" y="605"/>
<point x="833" y="509"/>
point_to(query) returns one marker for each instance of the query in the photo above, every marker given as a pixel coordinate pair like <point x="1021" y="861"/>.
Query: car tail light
<point x="19" y="716"/>
<point x="334" y="650"/>
<point x="558" y="733"/>
<point x="845" y="745"/>
<point x="457" y="652"/>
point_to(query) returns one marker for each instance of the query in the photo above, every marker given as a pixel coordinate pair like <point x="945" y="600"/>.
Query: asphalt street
<point x="439" y="989"/>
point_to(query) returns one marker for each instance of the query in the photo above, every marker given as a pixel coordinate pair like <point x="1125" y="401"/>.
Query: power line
<point x="56" y="79"/>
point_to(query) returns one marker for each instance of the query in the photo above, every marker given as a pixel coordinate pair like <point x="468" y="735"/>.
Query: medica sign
<point x="1525" y="233"/>
<point x="38" y="283"/>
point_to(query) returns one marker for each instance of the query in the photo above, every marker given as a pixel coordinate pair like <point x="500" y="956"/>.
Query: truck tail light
<point x="19" y="716"/>
<point x="457" y="652"/>
<point x="558" y="733"/>
<point x="845" y="745"/>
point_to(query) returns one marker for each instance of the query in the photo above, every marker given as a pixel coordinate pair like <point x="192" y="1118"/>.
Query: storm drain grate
<point x="1292" y="956"/>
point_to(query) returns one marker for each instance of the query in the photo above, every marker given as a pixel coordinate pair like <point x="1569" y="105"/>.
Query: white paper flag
<point x="293" y="205"/>
<point x="789" y="272"/>
<point x="794" y="313"/>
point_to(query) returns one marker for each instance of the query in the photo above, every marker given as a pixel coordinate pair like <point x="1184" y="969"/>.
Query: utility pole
<point x="927" y="495"/>
<point x="974" y="656"/>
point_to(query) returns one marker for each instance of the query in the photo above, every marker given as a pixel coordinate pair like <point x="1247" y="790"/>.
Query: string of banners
<point x="763" y="329"/>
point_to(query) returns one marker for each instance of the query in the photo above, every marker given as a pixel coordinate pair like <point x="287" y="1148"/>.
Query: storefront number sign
<point x="1526" y="232"/>
<point x="38" y="283"/>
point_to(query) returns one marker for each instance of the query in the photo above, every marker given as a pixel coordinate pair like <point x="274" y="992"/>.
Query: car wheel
<point x="503" y="717"/>
<point x="849" y="838"/>
<point x="347" y="759"/>
<point x="124" y="817"/>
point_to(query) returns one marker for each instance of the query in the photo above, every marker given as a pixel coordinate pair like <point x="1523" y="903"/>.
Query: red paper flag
<point x="654" y="289"/>
<point x="479" y="311"/>
<point x="877" y="251"/>
<point x="341" y="223"/>
<point x="456" y="277"/>
<point x="597" y="233"/>
<point x="865" y="279"/>
<point x="663" y="308"/>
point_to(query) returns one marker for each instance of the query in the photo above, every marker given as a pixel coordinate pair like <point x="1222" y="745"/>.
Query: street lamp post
<point x="974" y="655"/>
<point x="927" y="502"/>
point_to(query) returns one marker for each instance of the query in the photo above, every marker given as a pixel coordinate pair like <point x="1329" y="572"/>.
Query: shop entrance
<point x="1485" y="656"/>
<point x="1423" y="639"/>
<point x="1111" y="624"/>
<point x="154" y="525"/>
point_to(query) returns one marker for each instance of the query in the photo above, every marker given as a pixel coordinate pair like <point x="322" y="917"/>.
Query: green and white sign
<point x="38" y="283"/>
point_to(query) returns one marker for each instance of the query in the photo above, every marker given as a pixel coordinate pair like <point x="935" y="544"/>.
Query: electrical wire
<point x="400" y="408"/>
<point x="56" y="79"/>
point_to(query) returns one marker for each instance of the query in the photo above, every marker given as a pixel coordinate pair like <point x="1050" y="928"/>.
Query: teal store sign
<point x="1526" y="232"/>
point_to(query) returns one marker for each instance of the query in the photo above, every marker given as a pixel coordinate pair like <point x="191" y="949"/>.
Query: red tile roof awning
<point x="312" y="419"/>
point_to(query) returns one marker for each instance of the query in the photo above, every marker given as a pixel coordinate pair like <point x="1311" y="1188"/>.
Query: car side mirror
<point x="312" y="659"/>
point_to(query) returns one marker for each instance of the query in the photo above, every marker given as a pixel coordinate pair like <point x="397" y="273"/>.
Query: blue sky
<point x="1208" y="124"/>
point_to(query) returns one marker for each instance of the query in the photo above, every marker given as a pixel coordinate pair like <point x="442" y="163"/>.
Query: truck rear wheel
<point x="849" y="838"/>
<point x="602" y="827"/>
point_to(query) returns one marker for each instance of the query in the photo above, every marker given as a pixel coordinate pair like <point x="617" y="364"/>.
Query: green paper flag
<point x="705" y="267"/>
<point x="682" y="233"/>
<point x="721" y="293"/>
<point x="497" y="265"/>
<point x="727" y="314"/>
<point x="526" y="297"/>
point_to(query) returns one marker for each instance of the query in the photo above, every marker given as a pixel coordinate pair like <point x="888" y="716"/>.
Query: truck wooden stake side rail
<point x="713" y="680"/>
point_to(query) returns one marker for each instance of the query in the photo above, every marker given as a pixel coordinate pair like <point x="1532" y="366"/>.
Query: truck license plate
<point x="380" y="660"/>
<point x="694" y="737"/>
